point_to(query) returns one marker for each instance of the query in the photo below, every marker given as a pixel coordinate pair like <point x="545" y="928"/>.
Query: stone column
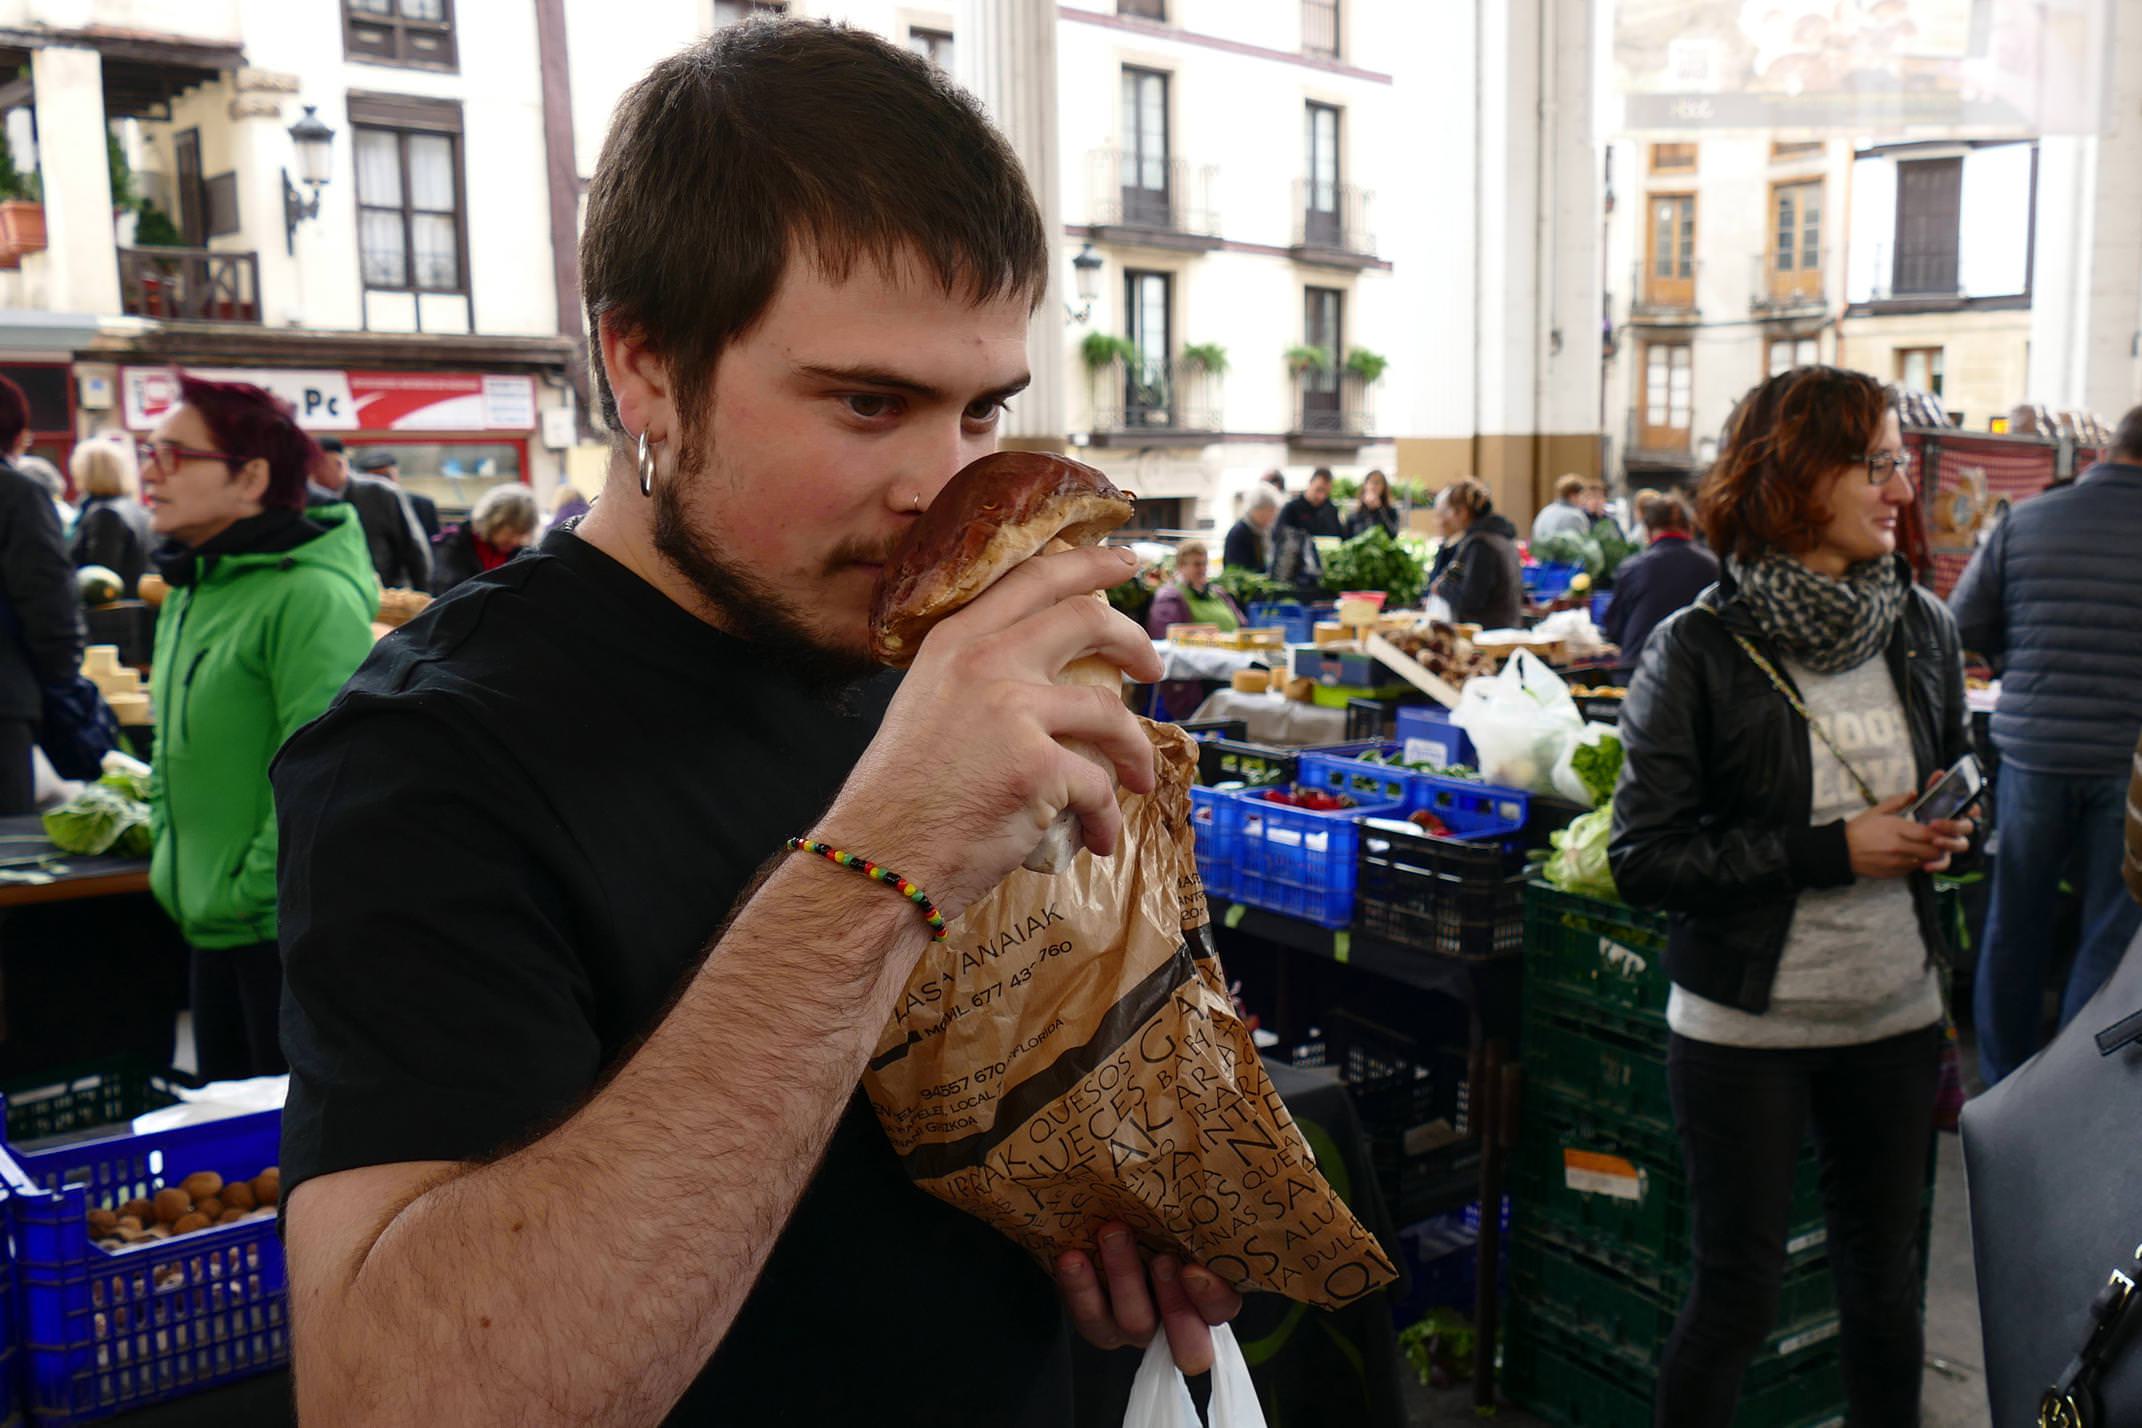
<point x="81" y="258"/>
<point x="1004" y="52"/>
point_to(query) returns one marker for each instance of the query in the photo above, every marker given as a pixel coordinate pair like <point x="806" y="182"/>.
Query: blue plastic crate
<point x="1298" y="620"/>
<point x="1428" y="736"/>
<point x="104" y="1332"/>
<point x="1473" y="812"/>
<point x="1600" y="603"/>
<point x="1548" y="581"/>
<point x="1293" y="860"/>
<point x="1215" y="841"/>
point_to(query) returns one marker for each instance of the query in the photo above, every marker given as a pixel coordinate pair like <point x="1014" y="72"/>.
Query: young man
<point x="1312" y="511"/>
<point x="2052" y="596"/>
<point x="574" y="1133"/>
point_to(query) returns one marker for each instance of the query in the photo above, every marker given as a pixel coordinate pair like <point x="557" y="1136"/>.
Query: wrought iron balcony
<point x="1151" y="397"/>
<point x="1776" y="293"/>
<point x="1161" y="202"/>
<point x="189" y="284"/>
<point x="1331" y="408"/>
<point x="1331" y="224"/>
<point x="1664" y="297"/>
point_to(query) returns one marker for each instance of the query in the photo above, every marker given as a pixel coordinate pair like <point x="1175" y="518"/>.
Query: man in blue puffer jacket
<point x="2056" y="598"/>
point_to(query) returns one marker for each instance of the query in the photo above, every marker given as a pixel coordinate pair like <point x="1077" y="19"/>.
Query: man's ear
<point x="639" y="379"/>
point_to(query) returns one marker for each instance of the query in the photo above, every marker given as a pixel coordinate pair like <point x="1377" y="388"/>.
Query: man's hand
<point x="969" y="768"/>
<point x="1112" y="1309"/>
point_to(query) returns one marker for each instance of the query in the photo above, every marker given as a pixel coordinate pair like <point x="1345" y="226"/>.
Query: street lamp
<point x="315" y="144"/>
<point x="1087" y="266"/>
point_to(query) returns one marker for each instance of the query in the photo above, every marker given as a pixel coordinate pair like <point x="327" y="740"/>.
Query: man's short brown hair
<point x="780" y="138"/>
<point x="1570" y="487"/>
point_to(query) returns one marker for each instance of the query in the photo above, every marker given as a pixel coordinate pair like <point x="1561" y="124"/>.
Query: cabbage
<point x="1579" y="862"/>
<point x="94" y="820"/>
<point x="129" y="776"/>
<point x="136" y="841"/>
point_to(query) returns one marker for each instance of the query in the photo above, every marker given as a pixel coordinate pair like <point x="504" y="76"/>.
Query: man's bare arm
<point x="588" y="1277"/>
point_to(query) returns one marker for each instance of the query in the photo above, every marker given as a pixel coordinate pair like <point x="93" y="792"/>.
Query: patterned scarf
<point x="1826" y="624"/>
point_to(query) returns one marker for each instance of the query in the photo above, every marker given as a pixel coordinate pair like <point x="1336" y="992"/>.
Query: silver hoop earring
<point x="646" y="466"/>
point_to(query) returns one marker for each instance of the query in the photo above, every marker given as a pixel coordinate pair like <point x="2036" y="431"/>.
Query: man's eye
<point x="869" y="405"/>
<point x="985" y="410"/>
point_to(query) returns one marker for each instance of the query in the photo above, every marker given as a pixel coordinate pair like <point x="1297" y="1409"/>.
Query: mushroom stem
<point x="1062" y="842"/>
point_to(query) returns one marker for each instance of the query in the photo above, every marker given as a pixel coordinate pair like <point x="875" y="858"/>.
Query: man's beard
<point x="757" y="612"/>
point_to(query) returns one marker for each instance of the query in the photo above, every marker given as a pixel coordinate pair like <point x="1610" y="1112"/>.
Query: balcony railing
<point x="1332" y="405"/>
<point x="1320" y="29"/>
<point x="1158" y="196"/>
<point x="189" y="284"/>
<point x="1155" y="396"/>
<point x="1655" y="297"/>
<point x="1332" y="219"/>
<point x="1774" y="293"/>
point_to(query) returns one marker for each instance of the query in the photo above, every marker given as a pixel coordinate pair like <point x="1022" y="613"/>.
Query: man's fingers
<point x="1044" y="581"/>
<point x="1092" y="715"/>
<point x="1079" y="628"/>
<point x="1214" y="1299"/>
<point x="1090" y="793"/>
<point x="1126" y="1285"/>
<point x="1189" y="1338"/>
<point x="1086" y="1302"/>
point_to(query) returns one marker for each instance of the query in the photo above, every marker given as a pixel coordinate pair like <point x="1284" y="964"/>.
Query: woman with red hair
<point x="270" y="612"/>
<point x="1776" y="732"/>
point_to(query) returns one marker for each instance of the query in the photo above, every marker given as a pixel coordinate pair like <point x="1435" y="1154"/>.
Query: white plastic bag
<point x="1566" y="782"/>
<point x="1522" y="721"/>
<point x="1160" y="1398"/>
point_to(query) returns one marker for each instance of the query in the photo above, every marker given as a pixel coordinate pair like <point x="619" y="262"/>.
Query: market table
<point x="70" y="877"/>
<point x="89" y="964"/>
<point x="1275" y="719"/>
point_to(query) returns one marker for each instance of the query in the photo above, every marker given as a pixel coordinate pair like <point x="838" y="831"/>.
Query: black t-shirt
<point x="503" y="848"/>
<point x="1304" y="514"/>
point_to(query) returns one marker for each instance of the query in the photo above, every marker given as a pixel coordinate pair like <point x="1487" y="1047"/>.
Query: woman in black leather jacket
<point x="1775" y="733"/>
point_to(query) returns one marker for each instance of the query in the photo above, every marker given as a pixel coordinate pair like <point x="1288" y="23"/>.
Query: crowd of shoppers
<point x="394" y="539"/>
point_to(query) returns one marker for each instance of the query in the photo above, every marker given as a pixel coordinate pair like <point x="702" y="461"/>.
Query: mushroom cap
<point x="994" y="515"/>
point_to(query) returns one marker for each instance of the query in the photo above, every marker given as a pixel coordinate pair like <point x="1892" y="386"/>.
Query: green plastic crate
<point x="83" y="1097"/>
<point x="1616" y="1182"/>
<point x="1633" y="1320"/>
<point x="1594" y="952"/>
<point x="1567" y="1380"/>
<point x="1608" y="1058"/>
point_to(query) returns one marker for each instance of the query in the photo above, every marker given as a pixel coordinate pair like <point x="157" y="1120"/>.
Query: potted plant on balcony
<point x="1302" y="359"/>
<point x="1102" y="348"/>
<point x="22" y="210"/>
<point x="1207" y="357"/>
<point x="1368" y="366"/>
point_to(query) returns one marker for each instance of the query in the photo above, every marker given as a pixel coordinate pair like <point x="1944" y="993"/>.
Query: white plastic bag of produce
<point x="1567" y="782"/>
<point x="1160" y="1398"/>
<point x="1522" y="721"/>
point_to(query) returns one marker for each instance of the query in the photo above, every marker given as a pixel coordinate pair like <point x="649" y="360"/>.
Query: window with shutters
<point x="1929" y="213"/>
<point x="1143" y="9"/>
<point x="1919" y="368"/>
<point x="1673" y="158"/>
<point x="934" y="45"/>
<point x="1147" y="400"/>
<point x="411" y="234"/>
<point x="1787" y="353"/>
<point x="1796" y="240"/>
<point x="416" y="33"/>
<point x="1145" y="147"/>
<point x="1669" y="392"/>
<point x="1670" y="251"/>
<point x="731" y="12"/>
<point x="1322" y="191"/>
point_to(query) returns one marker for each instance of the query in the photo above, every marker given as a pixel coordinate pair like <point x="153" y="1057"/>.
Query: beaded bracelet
<point x="887" y="876"/>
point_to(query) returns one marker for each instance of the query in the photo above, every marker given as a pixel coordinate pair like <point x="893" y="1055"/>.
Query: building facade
<point x="1339" y="233"/>
<point x="391" y="274"/>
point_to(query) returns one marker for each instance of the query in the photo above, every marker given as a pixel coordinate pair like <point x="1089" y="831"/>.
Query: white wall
<point x="1994" y="228"/>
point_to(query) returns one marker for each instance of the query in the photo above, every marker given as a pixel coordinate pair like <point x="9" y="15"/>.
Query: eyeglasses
<point x="1882" y="465"/>
<point x="166" y="455"/>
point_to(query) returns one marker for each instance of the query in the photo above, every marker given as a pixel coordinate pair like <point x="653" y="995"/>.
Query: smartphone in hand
<point x="1958" y="789"/>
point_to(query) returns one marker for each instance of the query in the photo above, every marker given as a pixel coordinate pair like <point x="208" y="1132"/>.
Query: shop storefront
<point x="49" y="387"/>
<point x="453" y="435"/>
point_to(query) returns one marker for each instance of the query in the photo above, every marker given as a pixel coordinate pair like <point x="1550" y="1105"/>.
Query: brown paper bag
<point x="1070" y="1056"/>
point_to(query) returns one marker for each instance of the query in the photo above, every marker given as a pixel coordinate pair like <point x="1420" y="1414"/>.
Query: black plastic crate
<point x="1215" y="728"/>
<point x="1368" y="718"/>
<point x="87" y="1096"/>
<point x="1239" y="761"/>
<point x="1415" y="1104"/>
<point x="1444" y="896"/>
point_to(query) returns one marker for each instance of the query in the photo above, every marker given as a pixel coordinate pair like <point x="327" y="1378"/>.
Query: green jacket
<point x="255" y="647"/>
